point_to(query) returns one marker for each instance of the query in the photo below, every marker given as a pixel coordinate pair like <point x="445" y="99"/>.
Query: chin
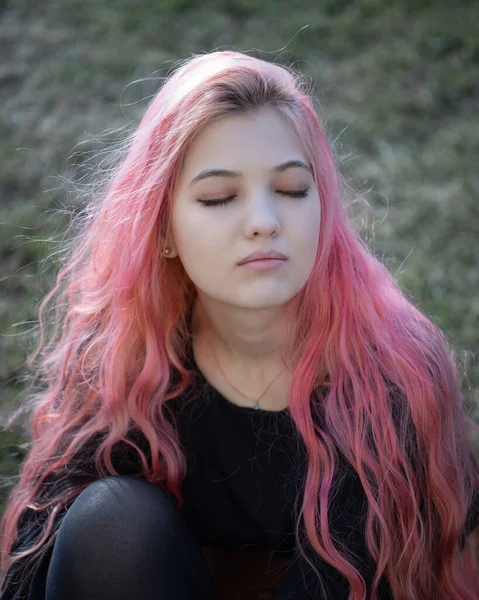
<point x="264" y="301"/>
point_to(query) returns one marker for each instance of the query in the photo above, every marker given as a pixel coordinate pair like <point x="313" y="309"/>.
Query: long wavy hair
<point x="115" y="355"/>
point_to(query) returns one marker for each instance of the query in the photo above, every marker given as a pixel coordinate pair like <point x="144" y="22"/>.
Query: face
<point x="263" y="207"/>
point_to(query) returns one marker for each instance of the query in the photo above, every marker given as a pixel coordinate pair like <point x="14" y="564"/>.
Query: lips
<point x="263" y="255"/>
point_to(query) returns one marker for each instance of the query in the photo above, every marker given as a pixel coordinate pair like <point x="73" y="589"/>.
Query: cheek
<point x="306" y="246"/>
<point x="192" y="221"/>
<point x="313" y="231"/>
<point x="307" y="228"/>
<point x="196" y="238"/>
<point x="202" y="246"/>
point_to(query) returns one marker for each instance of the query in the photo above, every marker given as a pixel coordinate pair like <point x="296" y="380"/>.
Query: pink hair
<point x="394" y="407"/>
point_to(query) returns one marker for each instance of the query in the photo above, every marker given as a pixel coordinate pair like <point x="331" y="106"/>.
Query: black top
<point x="244" y="470"/>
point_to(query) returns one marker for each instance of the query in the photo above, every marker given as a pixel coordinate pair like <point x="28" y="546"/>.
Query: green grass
<point x="398" y="87"/>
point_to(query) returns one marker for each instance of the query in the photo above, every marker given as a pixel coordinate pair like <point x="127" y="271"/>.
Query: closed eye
<point x="222" y="201"/>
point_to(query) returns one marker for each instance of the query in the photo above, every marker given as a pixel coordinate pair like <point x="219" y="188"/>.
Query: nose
<point x="261" y="216"/>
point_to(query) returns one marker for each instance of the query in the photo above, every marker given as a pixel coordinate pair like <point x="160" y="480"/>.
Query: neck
<point x="245" y="334"/>
<point x="248" y="342"/>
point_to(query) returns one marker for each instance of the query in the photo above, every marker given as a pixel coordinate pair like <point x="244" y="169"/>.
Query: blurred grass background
<point x="398" y="82"/>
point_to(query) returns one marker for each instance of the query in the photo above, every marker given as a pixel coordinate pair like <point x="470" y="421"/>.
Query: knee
<point x="119" y="508"/>
<point x="119" y="534"/>
<point x="122" y="493"/>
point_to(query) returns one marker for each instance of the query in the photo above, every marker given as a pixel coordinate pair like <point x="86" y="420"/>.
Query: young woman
<point x="237" y="399"/>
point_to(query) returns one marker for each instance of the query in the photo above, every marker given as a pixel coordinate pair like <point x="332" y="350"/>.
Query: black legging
<point x="123" y="538"/>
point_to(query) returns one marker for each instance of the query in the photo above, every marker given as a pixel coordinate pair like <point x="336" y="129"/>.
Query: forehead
<point x="246" y="142"/>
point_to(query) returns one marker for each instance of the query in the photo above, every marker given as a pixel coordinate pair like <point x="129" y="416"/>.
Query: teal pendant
<point x="256" y="406"/>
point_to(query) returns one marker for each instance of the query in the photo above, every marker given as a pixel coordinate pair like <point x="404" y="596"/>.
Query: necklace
<point x="256" y="405"/>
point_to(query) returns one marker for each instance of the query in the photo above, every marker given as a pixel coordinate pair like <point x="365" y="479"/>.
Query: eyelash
<point x="223" y="201"/>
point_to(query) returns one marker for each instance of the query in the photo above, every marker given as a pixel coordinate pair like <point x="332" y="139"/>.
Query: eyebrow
<point x="226" y="173"/>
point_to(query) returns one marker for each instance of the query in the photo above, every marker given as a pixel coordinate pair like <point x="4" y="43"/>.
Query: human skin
<point x="239" y="310"/>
